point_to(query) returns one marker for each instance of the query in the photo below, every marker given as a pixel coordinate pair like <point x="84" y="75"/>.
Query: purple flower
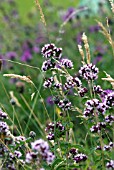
<point x="48" y="83"/>
<point x="97" y="128"/>
<point x="11" y="55"/>
<point x="49" y="100"/>
<point x="97" y="59"/>
<point x="97" y="89"/>
<point x="47" y="64"/>
<point x="67" y="63"/>
<point x="19" y="139"/>
<point x="94" y="28"/>
<point x="15" y="14"/>
<point x="79" y="38"/>
<point x="64" y="104"/>
<point x="109" y="119"/>
<point x="101" y="49"/>
<point x="105" y="93"/>
<point x="68" y="14"/>
<point x="26" y="56"/>
<point x="4" y="128"/>
<point x="110" y="164"/>
<point x="89" y="72"/>
<point x="80" y="157"/>
<point x="99" y="52"/>
<point x="27" y="45"/>
<point x="109" y="99"/>
<point x="30" y="156"/>
<point x="50" y="50"/>
<point x="94" y="105"/>
<point x="3" y="115"/>
<point x="36" y="49"/>
<point x="40" y="146"/>
<point x="40" y="40"/>
<point x="72" y="82"/>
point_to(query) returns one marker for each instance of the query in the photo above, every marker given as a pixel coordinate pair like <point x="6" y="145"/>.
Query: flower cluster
<point x="3" y="150"/>
<point x="73" y="151"/>
<point x="19" y="155"/>
<point x="3" y="115"/>
<point x="48" y="83"/>
<point x="89" y="72"/>
<point x="48" y="64"/>
<point x="67" y="63"/>
<point x="77" y="157"/>
<point x="19" y="139"/>
<point x="50" y="50"/>
<point x="95" y="107"/>
<point x="72" y="82"/>
<point x="97" y="128"/>
<point x="64" y="104"/>
<point x="110" y="165"/>
<point x="97" y="89"/>
<point x="57" y="85"/>
<point x="53" y="130"/>
<point x="109" y="119"/>
<point x="108" y="147"/>
<point x="4" y="128"/>
<point x="40" y="150"/>
<point x="92" y="106"/>
<point x="109" y="99"/>
<point x="80" y="158"/>
<point x="82" y="91"/>
<point x="16" y="154"/>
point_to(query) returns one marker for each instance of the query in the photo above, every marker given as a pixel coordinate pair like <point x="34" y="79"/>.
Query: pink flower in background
<point x="68" y="14"/>
<point x="11" y="55"/>
<point x="26" y="56"/>
<point x="49" y="100"/>
<point x="36" y="49"/>
<point x="97" y="59"/>
<point x="94" y="28"/>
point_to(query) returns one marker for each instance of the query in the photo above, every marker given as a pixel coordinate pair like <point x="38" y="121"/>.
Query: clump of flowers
<point x="110" y="164"/>
<point x="54" y="131"/>
<point x="40" y="151"/>
<point x="96" y="113"/>
<point x="93" y="112"/>
<point x="50" y="50"/>
<point x="76" y="156"/>
<point x="89" y="72"/>
<point x="4" y="128"/>
<point x="19" y="151"/>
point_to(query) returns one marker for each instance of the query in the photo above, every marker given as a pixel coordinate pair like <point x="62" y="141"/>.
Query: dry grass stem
<point x="81" y="52"/>
<point x="112" y="5"/>
<point x="107" y="35"/>
<point x="68" y="18"/>
<point x="86" y="45"/>
<point x="24" y="78"/>
<point x="57" y="81"/>
<point x="110" y="79"/>
<point x="41" y="12"/>
<point x="72" y="14"/>
<point x="15" y="99"/>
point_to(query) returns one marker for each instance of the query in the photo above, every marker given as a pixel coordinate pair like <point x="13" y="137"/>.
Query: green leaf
<point x="71" y="125"/>
<point x="80" y="147"/>
<point x="56" y="162"/>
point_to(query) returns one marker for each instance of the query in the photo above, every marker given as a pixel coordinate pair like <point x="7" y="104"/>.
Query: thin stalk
<point x="18" y="121"/>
